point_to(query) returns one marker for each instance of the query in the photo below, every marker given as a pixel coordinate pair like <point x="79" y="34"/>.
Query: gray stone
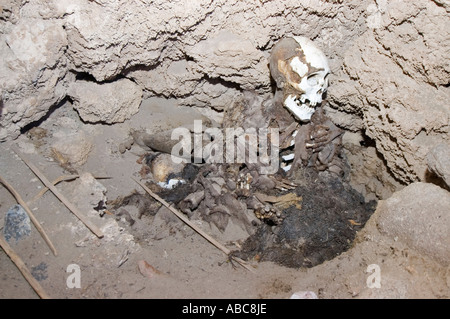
<point x="33" y="73"/>
<point x="419" y="216"/>
<point x="17" y="224"/>
<point x="88" y="193"/>
<point x="438" y="160"/>
<point x="39" y="272"/>
<point x="71" y="148"/>
<point x="106" y="103"/>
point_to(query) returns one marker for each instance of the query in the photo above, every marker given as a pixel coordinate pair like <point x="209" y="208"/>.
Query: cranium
<point x="300" y="70"/>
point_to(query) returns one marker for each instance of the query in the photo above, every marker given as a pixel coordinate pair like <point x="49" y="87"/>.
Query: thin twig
<point x="58" y="180"/>
<point x="23" y="269"/>
<point x="62" y="198"/>
<point x="55" y="182"/>
<point x="35" y="222"/>
<point x="193" y="226"/>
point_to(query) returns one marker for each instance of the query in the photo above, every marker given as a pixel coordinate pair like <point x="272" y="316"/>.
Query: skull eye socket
<point x="325" y="81"/>
<point x="316" y="79"/>
<point x="313" y="79"/>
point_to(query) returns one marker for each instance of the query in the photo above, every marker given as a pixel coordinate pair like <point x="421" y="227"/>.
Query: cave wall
<point x="388" y="59"/>
<point x="203" y="53"/>
<point x="395" y="77"/>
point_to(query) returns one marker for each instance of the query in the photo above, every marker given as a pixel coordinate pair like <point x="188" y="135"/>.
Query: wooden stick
<point x="30" y="214"/>
<point x="64" y="200"/>
<point x="55" y="182"/>
<point x="23" y="269"/>
<point x="193" y="226"/>
<point x="58" y="180"/>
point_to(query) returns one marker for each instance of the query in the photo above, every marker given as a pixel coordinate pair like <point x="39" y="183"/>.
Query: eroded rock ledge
<point x="389" y="82"/>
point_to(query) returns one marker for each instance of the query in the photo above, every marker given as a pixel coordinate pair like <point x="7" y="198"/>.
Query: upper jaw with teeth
<point x="302" y="108"/>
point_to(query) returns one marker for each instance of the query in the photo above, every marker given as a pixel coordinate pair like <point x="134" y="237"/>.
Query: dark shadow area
<point x="369" y="142"/>
<point x="227" y="84"/>
<point x="85" y="76"/>
<point x="138" y="67"/>
<point x="37" y="123"/>
<point x="433" y="178"/>
<point x="1" y="107"/>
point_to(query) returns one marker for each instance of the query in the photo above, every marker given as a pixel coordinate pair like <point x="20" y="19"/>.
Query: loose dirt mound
<point x="325" y="226"/>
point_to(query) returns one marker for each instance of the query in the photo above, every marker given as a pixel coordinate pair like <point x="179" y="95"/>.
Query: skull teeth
<point x="302" y="111"/>
<point x="303" y="102"/>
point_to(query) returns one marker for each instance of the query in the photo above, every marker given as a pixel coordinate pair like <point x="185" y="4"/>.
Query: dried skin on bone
<point x="300" y="70"/>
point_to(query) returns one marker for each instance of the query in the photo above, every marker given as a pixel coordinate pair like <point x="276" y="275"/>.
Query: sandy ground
<point x="180" y="263"/>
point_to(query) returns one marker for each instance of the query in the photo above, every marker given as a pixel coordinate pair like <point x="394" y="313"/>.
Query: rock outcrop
<point x="438" y="160"/>
<point x="389" y="77"/>
<point x="107" y="103"/>
<point x="394" y="79"/>
<point x="171" y="49"/>
<point x="33" y="71"/>
<point x="418" y="216"/>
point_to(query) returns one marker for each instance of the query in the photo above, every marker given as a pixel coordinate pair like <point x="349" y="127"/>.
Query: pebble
<point x="17" y="224"/>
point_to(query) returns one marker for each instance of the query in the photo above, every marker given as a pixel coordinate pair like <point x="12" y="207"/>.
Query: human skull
<point x="300" y="70"/>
